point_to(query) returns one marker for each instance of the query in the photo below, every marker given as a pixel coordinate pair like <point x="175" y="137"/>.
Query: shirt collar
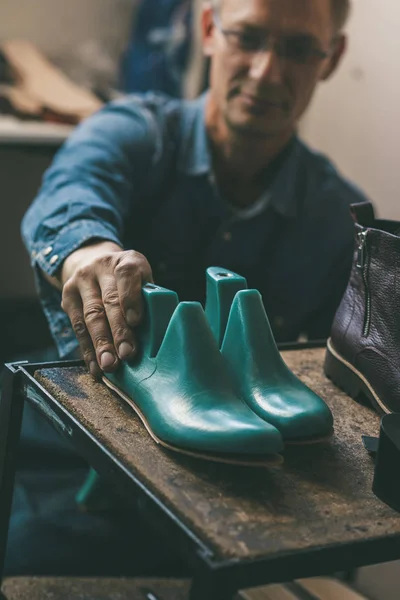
<point x="195" y="158"/>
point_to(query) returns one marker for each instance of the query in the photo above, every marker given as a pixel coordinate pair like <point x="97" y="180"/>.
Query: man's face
<point x="267" y="57"/>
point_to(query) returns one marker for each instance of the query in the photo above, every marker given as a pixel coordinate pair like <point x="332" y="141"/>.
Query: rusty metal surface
<point x="321" y="496"/>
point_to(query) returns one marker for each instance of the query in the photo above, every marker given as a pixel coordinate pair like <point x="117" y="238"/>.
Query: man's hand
<point x="102" y="295"/>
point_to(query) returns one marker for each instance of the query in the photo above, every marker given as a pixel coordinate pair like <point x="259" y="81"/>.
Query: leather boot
<point x="241" y="327"/>
<point x="363" y="353"/>
<point x="181" y="389"/>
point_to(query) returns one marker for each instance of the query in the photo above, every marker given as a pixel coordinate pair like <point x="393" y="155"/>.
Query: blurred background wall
<point x="355" y="116"/>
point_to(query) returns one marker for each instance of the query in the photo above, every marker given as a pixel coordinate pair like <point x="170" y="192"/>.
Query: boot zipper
<point x="363" y="264"/>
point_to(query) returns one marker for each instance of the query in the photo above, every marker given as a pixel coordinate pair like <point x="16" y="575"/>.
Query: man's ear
<point x="207" y="29"/>
<point x="340" y="46"/>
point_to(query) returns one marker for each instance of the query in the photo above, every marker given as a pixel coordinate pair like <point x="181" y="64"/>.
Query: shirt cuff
<point x="50" y="255"/>
<point x="59" y="323"/>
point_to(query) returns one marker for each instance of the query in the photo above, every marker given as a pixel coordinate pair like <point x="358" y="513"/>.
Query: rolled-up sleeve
<point x="88" y="193"/>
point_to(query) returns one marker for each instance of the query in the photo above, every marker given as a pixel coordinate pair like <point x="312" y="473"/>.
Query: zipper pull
<point x="361" y="252"/>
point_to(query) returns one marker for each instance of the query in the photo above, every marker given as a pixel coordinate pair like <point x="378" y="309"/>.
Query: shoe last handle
<point x="159" y="306"/>
<point x="222" y="287"/>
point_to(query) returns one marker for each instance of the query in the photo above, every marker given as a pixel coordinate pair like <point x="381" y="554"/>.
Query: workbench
<point x="237" y="527"/>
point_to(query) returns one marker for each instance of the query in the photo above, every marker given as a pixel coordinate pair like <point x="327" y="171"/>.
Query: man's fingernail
<point x="125" y="350"/>
<point x="93" y="369"/>
<point x="131" y="316"/>
<point x="107" y="360"/>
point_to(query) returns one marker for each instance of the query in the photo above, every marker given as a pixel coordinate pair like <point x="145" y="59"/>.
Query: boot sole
<point x="349" y="379"/>
<point x="270" y="460"/>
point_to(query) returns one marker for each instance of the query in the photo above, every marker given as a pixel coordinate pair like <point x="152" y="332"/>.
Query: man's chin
<point x="255" y="127"/>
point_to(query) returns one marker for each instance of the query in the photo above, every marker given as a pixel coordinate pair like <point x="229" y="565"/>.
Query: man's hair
<point x="340" y="11"/>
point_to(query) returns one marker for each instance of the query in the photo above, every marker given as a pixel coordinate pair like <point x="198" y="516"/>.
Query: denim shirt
<point x="139" y="173"/>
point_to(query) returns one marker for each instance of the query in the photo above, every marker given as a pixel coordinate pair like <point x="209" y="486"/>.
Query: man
<point x="151" y="188"/>
<point x="158" y="189"/>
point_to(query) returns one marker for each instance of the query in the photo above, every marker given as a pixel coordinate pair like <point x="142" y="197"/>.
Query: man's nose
<point x="266" y="64"/>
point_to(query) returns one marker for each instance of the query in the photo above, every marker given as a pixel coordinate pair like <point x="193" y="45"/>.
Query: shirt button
<point x="47" y="251"/>
<point x="33" y="254"/>
<point x="54" y="259"/>
<point x="227" y="236"/>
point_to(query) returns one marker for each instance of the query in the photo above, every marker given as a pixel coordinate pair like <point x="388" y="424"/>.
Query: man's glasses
<point x="298" y="49"/>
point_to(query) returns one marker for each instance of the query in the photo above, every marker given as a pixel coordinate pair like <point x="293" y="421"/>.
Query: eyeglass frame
<point x="267" y="46"/>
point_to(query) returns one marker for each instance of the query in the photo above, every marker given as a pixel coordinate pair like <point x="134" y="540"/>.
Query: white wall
<point x="355" y="118"/>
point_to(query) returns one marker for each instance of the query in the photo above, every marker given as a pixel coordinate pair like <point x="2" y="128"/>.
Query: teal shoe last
<point x="180" y="387"/>
<point x="240" y="325"/>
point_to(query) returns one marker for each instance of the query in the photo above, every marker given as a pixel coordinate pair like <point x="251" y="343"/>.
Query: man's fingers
<point x="72" y="305"/>
<point x="130" y="296"/>
<point x="103" y="299"/>
<point x="96" y="321"/>
<point x="121" y="332"/>
<point x="131" y="273"/>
